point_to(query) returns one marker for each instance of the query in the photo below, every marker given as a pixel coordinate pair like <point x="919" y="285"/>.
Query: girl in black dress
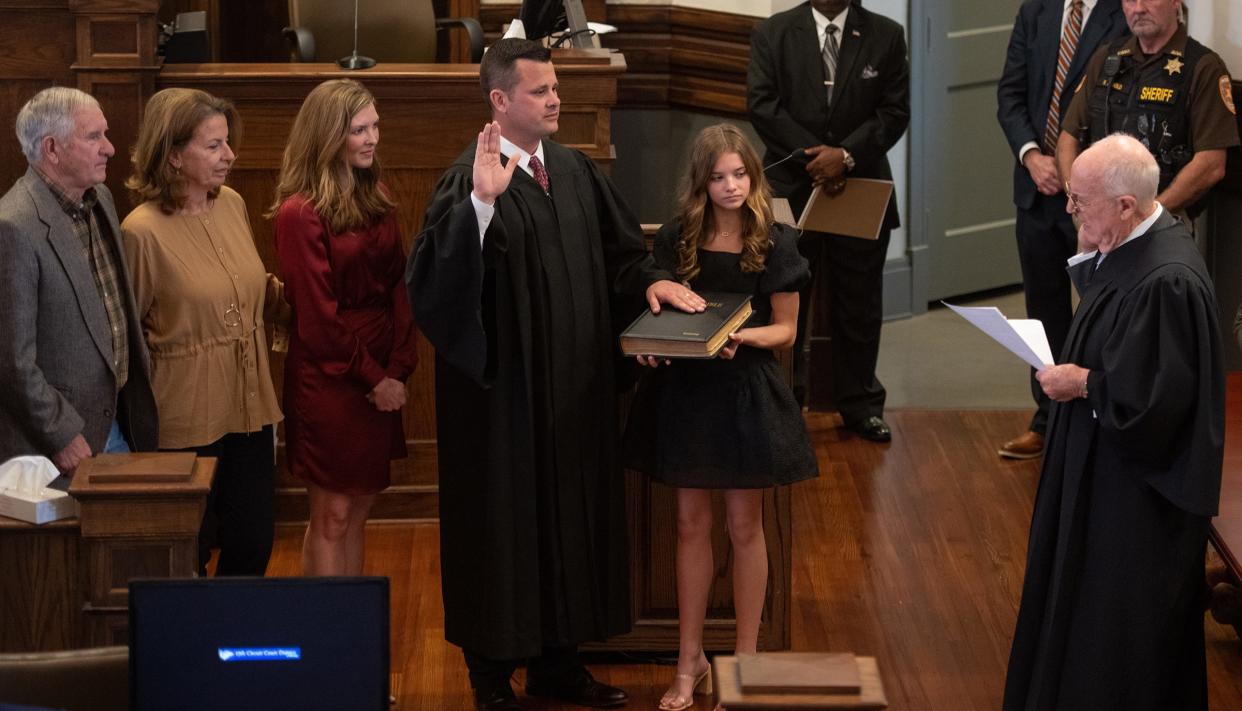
<point x="728" y="423"/>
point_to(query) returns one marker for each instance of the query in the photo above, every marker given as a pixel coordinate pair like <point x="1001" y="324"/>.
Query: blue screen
<point x="270" y="643"/>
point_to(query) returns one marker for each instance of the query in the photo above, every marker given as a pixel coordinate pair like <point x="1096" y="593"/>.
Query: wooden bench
<point x="1226" y="533"/>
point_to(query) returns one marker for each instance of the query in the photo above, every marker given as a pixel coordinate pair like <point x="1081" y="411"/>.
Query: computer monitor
<point x="541" y="18"/>
<point x="269" y="643"/>
<point x="187" y="39"/>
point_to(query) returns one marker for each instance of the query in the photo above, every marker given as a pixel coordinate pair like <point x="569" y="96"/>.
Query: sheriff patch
<point x="1226" y="93"/>
<point x="1157" y="95"/>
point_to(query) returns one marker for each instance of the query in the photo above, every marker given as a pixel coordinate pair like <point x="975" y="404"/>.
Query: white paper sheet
<point x="1024" y="338"/>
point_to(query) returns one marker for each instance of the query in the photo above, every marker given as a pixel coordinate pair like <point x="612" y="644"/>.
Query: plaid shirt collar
<point x="76" y="209"/>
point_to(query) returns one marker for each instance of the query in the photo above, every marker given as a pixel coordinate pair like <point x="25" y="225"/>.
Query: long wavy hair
<point x="169" y="122"/>
<point x="695" y="206"/>
<point x="315" y="164"/>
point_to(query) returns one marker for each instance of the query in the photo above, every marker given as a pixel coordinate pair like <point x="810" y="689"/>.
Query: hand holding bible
<point x="670" y="292"/>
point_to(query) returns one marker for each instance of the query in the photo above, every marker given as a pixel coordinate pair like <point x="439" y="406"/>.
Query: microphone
<point x="799" y="153"/>
<point x="355" y="60"/>
<point x="1112" y="63"/>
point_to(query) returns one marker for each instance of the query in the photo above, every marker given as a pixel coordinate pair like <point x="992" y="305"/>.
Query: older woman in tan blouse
<point x="203" y="295"/>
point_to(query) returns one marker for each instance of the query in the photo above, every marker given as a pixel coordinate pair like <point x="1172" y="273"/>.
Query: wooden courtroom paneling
<point x="652" y="512"/>
<point x="30" y="61"/>
<point x="40" y="590"/>
<point x="116" y="63"/>
<point x="428" y="114"/>
<point x="105" y="47"/>
<point x="680" y="57"/>
<point x="250" y="30"/>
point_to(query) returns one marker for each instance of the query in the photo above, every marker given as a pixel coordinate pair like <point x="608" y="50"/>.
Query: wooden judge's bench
<point x="429" y="114"/>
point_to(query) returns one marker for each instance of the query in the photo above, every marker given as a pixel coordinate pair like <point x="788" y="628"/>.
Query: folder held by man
<point x="857" y="211"/>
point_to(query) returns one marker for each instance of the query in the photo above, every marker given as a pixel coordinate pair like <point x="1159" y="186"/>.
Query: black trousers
<point x="1046" y="239"/>
<point x="854" y="285"/>
<point x="240" y="515"/>
<point x="486" y="675"/>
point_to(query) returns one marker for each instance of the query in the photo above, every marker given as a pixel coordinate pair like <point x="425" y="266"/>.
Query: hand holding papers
<point x="1024" y="338"/>
<point x="857" y="211"/>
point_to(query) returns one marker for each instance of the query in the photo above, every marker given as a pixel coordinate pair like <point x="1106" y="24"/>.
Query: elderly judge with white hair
<point x="75" y="370"/>
<point x="1111" y="614"/>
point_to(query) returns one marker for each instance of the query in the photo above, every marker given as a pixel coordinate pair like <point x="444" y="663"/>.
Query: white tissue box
<point x="47" y="505"/>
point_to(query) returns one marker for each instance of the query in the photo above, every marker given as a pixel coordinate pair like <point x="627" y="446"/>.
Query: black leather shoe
<point x="580" y="689"/>
<point x="874" y="429"/>
<point x="499" y="699"/>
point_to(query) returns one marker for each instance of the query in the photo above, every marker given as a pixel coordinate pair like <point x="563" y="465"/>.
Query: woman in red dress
<point x="351" y="346"/>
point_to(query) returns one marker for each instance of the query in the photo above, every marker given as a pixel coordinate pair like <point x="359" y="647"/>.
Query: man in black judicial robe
<point x="512" y="283"/>
<point x="1111" y="614"/>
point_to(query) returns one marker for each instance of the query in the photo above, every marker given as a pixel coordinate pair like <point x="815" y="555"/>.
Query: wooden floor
<point x="911" y="552"/>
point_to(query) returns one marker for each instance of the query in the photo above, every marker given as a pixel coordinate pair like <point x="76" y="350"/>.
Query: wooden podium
<point x="65" y="584"/>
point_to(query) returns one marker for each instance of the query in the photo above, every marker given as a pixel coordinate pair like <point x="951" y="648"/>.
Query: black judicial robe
<point x="1111" y="614"/>
<point x="532" y="520"/>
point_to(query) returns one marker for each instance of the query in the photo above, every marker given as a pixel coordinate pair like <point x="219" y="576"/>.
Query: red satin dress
<point x="351" y="328"/>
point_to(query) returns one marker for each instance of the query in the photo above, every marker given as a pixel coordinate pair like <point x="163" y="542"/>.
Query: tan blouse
<point x="201" y="290"/>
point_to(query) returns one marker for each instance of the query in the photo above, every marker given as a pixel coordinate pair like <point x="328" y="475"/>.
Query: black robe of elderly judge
<point x="532" y="519"/>
<point x="1111" y="614"/>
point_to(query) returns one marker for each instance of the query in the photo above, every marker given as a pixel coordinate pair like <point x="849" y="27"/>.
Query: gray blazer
<point x="56" y="374"/>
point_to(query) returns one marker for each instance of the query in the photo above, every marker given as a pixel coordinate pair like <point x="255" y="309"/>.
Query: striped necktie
<point x="1065" y="55"/>
<point x="831" y="49"/>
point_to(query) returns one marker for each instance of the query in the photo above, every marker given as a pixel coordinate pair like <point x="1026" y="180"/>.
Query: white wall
<point x="1218" y="24"/>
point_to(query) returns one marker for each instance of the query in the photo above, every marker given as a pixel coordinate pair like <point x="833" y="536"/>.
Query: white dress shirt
<point x="822" y="22"/>
<point x="1141" y="229"/>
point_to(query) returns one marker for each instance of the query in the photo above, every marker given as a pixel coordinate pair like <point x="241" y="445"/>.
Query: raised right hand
<point x="491" y="177"/>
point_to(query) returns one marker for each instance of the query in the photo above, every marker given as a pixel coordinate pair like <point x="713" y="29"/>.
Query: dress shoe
<point x="873" y="428"/>
<point x="1029" y="445"/>
<point x="580" y="689"/>
<point x="499" y="699"/>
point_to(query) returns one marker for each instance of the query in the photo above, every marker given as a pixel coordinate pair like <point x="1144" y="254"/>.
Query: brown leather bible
<point x="677" y="334"/>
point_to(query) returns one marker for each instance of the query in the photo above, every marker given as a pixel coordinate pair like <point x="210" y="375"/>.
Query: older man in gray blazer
<point x="74" y="363"/>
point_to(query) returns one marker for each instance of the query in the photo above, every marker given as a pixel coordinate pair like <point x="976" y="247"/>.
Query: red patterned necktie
<point x="1065" y="55"/>
<point x="541" y="175"/>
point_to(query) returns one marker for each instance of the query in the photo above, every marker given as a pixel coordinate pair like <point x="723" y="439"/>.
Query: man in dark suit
<point x="832" y="78"/>
<point x="76" y="375"/>
<point x="1048" y="49"/>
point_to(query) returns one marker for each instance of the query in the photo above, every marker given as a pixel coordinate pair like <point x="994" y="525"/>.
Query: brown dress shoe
<point x="1029" y="445"/>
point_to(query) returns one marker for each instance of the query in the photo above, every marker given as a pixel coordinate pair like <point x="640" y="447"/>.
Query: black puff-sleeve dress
<point x="724" y="424"/>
